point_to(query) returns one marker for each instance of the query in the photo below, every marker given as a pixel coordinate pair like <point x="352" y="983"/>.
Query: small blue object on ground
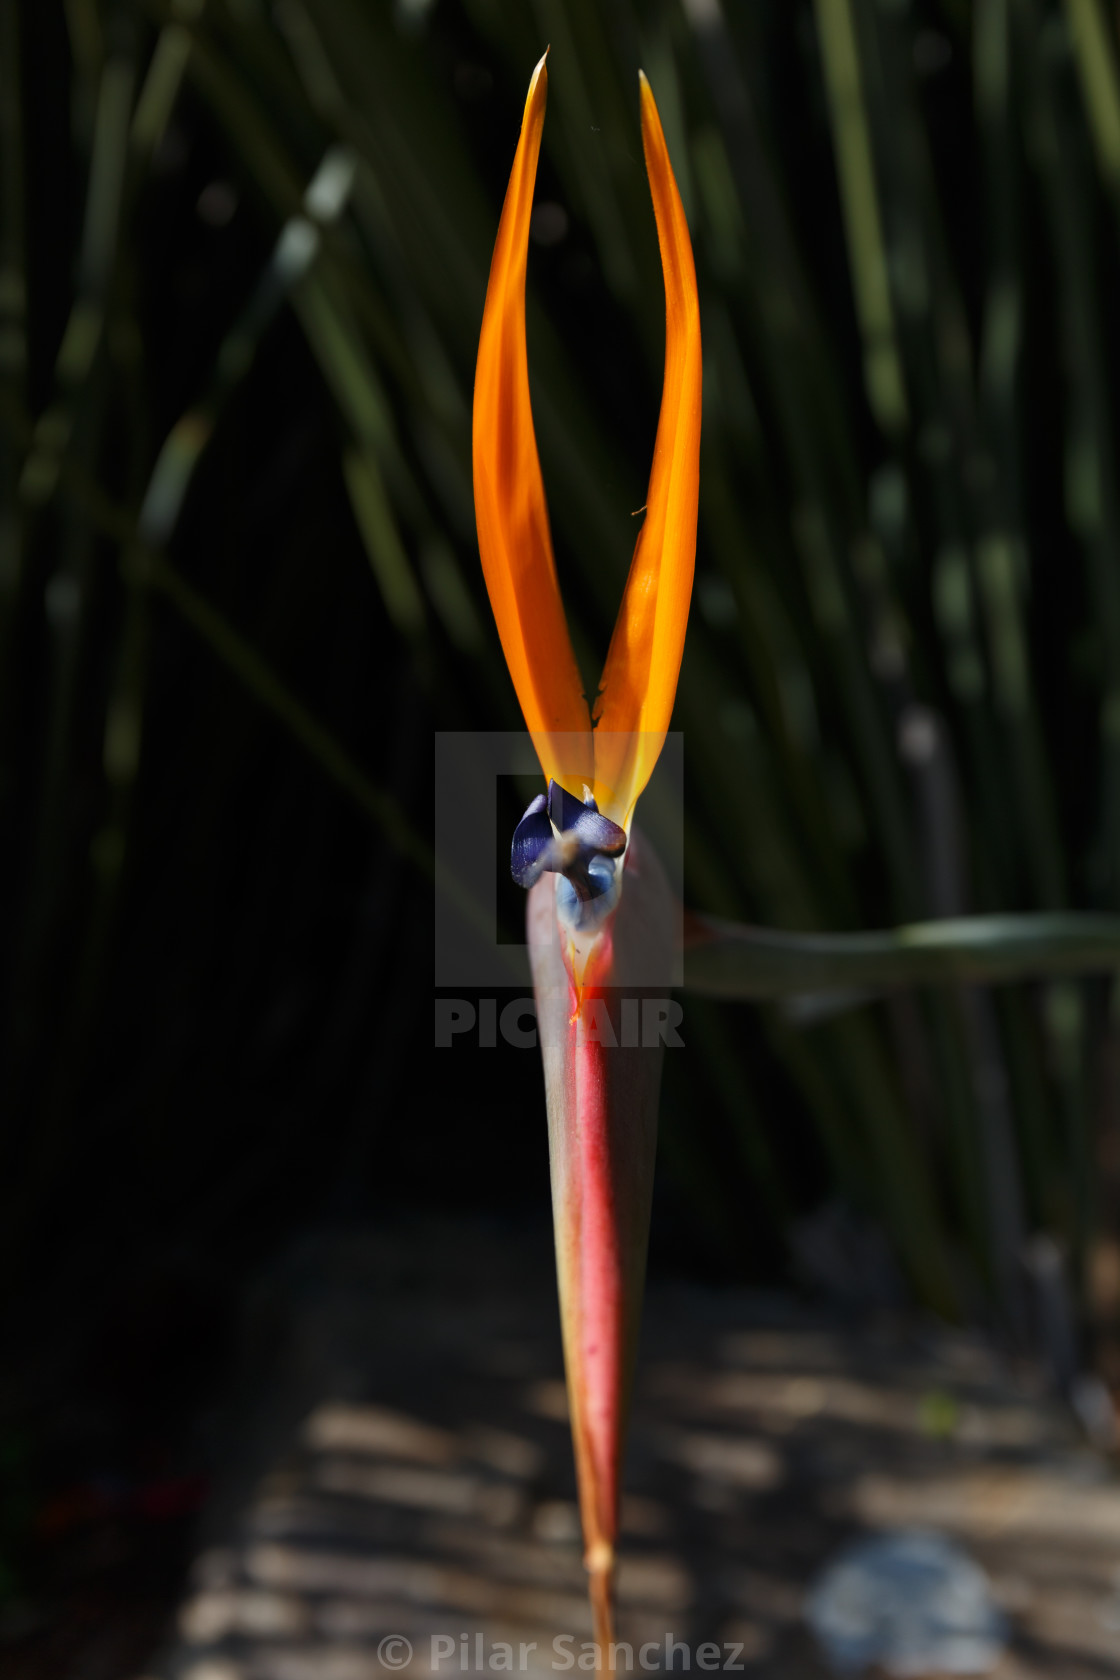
<point x="910" y="1601"/>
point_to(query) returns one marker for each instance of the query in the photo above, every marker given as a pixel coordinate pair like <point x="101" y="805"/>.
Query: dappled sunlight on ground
<point x="401" y="1472"/>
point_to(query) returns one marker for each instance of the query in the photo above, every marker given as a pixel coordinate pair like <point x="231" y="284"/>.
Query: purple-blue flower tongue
<point x="566" y="836"/>
<point x="597" y="835"/>
<point x="531" y="839"/>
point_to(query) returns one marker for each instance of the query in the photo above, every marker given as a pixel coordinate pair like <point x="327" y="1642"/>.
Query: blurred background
<point x="243" y="253"/>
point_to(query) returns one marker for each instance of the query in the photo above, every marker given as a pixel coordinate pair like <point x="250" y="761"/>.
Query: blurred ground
<point x="395" y="1460"/>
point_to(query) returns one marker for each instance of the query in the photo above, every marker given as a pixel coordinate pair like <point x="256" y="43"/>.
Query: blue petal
<point x="596" y="834"/>
<point x="564" y="808"/>
<point x="531" y="839"/>
<point x="570" y="838"/>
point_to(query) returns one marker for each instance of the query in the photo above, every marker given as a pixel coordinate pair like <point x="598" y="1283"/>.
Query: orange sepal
<point x="639" y="681"/>
<point x="510" y="508"/>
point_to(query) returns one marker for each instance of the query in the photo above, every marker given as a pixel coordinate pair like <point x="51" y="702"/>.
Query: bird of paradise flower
<point x="600" y="913"/>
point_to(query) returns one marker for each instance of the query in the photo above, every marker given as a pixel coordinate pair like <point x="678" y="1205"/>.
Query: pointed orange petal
<point x="640" y="677"/>
<point x="510" y="507"/>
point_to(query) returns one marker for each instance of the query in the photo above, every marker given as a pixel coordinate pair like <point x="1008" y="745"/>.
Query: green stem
<point x="727" y="959"/>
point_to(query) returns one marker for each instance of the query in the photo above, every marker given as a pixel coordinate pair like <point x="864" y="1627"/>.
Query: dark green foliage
<point x="243" y="252"/>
